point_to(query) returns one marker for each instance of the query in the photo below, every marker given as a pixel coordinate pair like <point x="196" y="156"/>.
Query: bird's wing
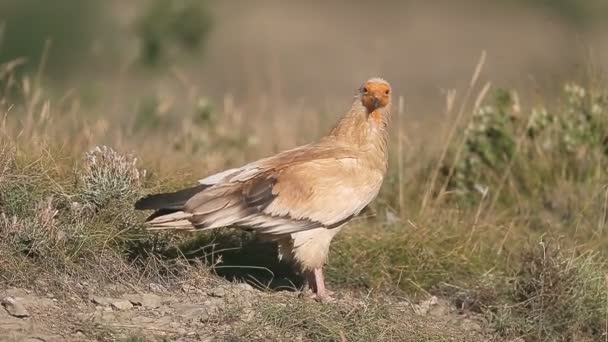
<point x="300" y="189"/>
<point x="324" y="191"/>
<point x="170" y="202"/>
<point x="286" y="158"/>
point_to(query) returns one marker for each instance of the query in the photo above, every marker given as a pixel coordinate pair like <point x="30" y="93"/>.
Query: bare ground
<point x="223" y="311"/>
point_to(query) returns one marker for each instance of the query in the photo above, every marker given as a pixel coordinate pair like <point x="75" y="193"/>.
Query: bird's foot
<point x="316" y="287"/>
<point x="330" y="293"/>
<point x="323" y="297"/>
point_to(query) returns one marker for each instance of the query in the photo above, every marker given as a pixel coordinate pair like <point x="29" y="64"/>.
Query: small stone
<point x="149" y="301"/>
<point x="196" y="312"/>
<point x="121" y="304"/>
<point x="219" y="291"/>
<point x="189" y="289"/>
<point x="135" y="299"/>
<point x="15" y="292"/>
<point x="14" y="308"/>
<point x="156" y="287"/>
<point x="101" y="301"/>
<point x="245" y="287"/>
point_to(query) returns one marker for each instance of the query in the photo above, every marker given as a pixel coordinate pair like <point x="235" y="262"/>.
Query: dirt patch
<point x="223" y="312"/>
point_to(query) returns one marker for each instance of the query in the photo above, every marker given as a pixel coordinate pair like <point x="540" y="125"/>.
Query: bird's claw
<point x="326" y="297"/>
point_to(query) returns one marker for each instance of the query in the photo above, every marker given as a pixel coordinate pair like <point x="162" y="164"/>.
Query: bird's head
<point x="375" y="94"/>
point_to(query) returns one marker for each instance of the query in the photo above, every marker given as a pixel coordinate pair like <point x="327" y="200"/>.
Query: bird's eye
<point x="365" y="90"/>
<point x="387" y="92"/>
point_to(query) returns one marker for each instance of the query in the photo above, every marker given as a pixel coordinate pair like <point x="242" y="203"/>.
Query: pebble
<point x="149" y="301"/>
<point x="14" y="307"/>
<point x="156" y="287"/>
<point x="101" y="301"/>
<point x="219" y="291"/>
<point x="121" y="304"/>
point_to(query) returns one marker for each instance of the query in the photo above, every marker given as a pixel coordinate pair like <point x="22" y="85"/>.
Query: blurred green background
<point x="297" y="51"/>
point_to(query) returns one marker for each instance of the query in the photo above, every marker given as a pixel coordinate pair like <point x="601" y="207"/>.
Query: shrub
<point x="489" y="146"/>
<point x="500" y="142"/>
<point x="109" y="176"/>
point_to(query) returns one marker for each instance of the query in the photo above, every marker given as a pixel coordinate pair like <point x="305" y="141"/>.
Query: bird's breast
<point x="344" y="190"/>
<point x="328" y="190"/>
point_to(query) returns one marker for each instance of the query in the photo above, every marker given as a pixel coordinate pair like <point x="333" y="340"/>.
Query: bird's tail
<point x="168" y="208"/>
<point x="177" y="220"/>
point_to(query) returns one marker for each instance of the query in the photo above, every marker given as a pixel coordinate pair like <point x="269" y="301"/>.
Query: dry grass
<point x="370" y="318"/>
<point x="464" y="222"/>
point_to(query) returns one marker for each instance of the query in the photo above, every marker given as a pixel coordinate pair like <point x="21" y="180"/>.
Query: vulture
<point x="300" y="198"/>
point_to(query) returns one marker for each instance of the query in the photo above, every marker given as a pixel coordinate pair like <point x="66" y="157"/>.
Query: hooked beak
<point x="376" y="102"/>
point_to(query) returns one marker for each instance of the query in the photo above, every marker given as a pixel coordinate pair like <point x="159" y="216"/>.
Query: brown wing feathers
<point x="240" y="204"/>
<point x="317" y="185"/>
<point x="231" y="203"/>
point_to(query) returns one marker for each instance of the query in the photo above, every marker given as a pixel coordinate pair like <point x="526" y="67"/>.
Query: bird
<point x="299" y="198"/>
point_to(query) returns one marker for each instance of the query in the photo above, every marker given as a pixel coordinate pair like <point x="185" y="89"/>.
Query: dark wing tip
<point x="143" y="203"/>
<point x="172" y="200"/>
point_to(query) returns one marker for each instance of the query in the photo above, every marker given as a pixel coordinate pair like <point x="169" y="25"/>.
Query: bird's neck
<point x="366" y="131"/>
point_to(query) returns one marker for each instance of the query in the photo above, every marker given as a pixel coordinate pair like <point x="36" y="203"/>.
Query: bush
<point x="109" y="176"/>
<point x="501" y="143"/>
<point x="46" y="225"/>
<point x="489" y="146"/>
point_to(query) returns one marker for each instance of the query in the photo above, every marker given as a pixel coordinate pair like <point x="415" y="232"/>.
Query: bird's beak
<point x="376" y="102"/>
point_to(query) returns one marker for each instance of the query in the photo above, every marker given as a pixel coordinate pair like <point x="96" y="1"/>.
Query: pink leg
<point x="322" y="293"/>
<point x="311" y="280"/>
<point x="316" y="283"/>
<point x="320" y="283"/>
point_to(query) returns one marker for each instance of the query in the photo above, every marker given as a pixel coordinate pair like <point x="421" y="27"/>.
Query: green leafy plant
<point x="503" y="144"/>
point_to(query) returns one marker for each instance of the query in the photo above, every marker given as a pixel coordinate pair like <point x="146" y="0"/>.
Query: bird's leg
<point x="311" y="280"/>
<point x="322" y="293"/>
